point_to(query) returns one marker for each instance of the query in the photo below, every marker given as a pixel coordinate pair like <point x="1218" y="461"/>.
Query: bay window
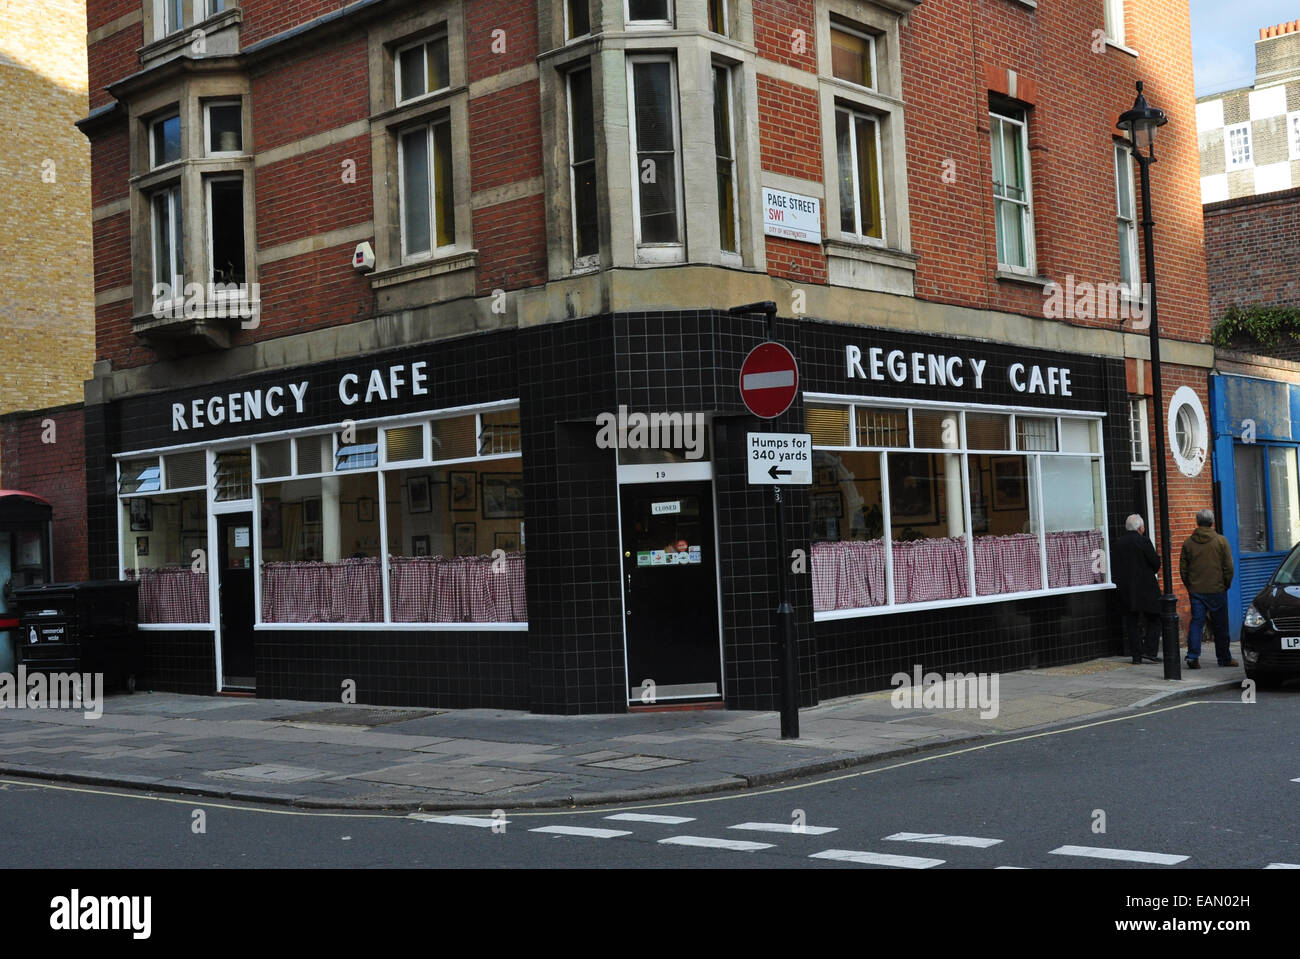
<point x="914" y="505"/>
<point x="657" y="193"/>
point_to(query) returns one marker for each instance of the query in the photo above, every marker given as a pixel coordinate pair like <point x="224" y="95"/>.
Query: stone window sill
<point x="424" y="269"/>
<point x="173" y="42"/>
<point x="1010" y="276"/>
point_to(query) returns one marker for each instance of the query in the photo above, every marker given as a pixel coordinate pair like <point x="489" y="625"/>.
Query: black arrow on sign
<point x="774" y="472"/>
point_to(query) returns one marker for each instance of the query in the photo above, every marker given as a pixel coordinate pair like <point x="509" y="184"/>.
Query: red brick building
<point x="368" y="276"/>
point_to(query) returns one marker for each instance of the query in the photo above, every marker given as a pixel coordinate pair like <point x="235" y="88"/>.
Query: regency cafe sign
<point x="380" y="385"/>
<point x="937" y="369"/>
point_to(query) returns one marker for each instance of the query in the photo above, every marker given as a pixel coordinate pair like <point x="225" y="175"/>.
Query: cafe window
<point x="407" y="523"/>
<point x="163" y="536"/>
<point x="928" y="505"/>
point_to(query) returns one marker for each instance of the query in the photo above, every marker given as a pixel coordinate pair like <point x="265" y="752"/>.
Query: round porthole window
<point x="1188" y="431"/>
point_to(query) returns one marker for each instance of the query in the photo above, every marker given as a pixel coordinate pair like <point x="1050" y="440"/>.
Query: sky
<point x="1223" y="39"/>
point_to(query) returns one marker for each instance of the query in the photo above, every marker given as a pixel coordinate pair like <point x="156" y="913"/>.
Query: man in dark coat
<point x="1134" y="565"/>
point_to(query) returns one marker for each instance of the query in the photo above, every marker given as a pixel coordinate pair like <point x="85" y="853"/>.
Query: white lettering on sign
<point x="662" y="509"/>
<point x="780" y="459"/>
<point x="792" y="216"/>
<point x="251" y="406"/>
<point x="938" y="369"/>
<point x="245" y="406"/>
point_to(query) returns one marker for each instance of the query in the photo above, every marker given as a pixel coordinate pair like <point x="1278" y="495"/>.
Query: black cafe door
<point x="235" y="592"/>
<point x="670" y="593"/>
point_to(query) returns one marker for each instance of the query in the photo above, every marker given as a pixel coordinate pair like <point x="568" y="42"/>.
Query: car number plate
<point x="1291" y="642"/>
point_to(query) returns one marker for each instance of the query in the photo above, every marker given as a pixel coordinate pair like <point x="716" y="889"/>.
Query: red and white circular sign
<point x="769" y="380"/>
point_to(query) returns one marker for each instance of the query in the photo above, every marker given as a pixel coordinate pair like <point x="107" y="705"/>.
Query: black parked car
<point x="1270" y="635"/>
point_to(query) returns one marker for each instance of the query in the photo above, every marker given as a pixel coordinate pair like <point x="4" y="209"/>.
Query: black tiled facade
<point x="571" y="659"/>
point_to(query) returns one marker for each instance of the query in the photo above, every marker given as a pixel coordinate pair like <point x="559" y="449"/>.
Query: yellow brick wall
<point x="47" y="332"/>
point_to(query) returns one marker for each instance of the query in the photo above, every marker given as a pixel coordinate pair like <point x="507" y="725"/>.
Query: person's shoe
<point x="1192" y="663"/>
<point x="1150" y="659"/>
<point x="1231" y="662"/>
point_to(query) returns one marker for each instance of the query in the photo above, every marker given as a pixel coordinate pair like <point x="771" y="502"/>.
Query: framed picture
<point x="417" y="494"/>
<point x="142" y="546"/>
<point x="309" y="545"/>
<point x="912" y="495"/>
<point x="192" y="518"/>
<point x="419" y="546"/>
<point x="503" y="496"/>
<point x="824" y="477"/>
<point x="979" y="507"/>
<point x="506" y="541"/>
<point x="466" y="539"/>
<point x="141" y="515"/>
<point x="190" y="543"/>
<point x="365" y="510"/>
<point x="311" y="511"/>
<point x="463" y="489"/>
<point x="272" y="528"/>
<point x="827" y="506"/>
<point x="1009" y="488"/>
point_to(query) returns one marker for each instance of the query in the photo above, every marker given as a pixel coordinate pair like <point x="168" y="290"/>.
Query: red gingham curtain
<point x="348" y="591"/>
<point x="1070" y="558"/>
<point x="1007" y="564"/>
<point x="422" y="589"/>
<point x="926" y="570"/>
<point x="173" y="594"/>
<point x="848" y="575"/>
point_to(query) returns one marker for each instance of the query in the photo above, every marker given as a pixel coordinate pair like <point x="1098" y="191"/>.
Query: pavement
<point x="364" y="757"/>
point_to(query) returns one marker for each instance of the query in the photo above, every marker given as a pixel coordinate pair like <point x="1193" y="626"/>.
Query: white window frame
<point x="1293" y="134"/>
<point x="571" y="37"/>
<point x="208" y="106"/>
<point x="1097" y="421"/>
<point x="1248" y="159"/>
<point x="434" y="249"/>
<point x="1025" y="206"/>
<point x="841" y="27"/>
<point x="1114" y="16"/>
<point x="725" y="13"/>
<point x="154" y="163"/>
<point x="732" y="257"/>
<point x="667" y="252"/>
<point x="173" y="276"/>
<point x="1128" y="251"/>
<point x="1140" y="443"/>
<point x="649" y="24"/>
<point x="223" y="295"/>
<point x="195" y="11"/>
<point x="397" y="68"/>
<point x="592" y="260"/>
<point x="858" y="236"/>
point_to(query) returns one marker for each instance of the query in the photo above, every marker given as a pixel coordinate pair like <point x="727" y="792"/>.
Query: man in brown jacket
<point x="1206" y="568"/>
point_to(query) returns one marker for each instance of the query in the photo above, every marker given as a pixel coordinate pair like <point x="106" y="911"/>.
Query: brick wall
<point x="1252" y="254"/>
<point x="43" y="452"/>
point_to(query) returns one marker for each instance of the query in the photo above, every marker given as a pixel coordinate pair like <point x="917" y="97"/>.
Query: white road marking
<point x="1283" y="865"/>
<point x="481" y="822"/>
<point x="784" y="827"/>
<point x="943" y="840"/>
<point x="647" y="817"/>
<point x="877" y="859"/>
<point x="591" y="831"/>
<point x="1127" y="855"/>
<point x="708" y="842"/>
<point x="1009" y="867"/>
<point x="1296" y="780"/>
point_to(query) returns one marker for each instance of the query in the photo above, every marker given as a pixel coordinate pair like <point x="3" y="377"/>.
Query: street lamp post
<point x="1140" y="124"/>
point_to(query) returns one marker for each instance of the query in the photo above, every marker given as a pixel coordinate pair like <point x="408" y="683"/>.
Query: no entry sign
<point x="769" y="380"/>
